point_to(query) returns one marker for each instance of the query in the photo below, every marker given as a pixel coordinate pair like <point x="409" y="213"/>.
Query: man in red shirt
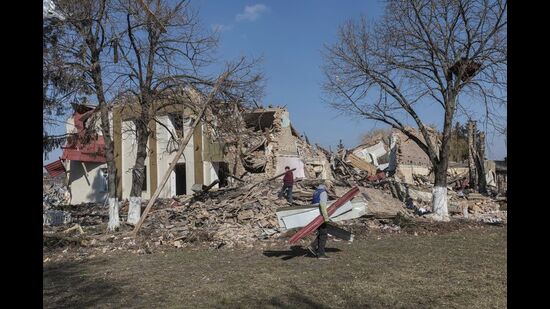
<point x="288" y="182"/>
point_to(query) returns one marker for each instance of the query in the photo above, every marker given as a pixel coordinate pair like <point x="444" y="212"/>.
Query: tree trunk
<point x="439" y="193"/>
<point x="482" y="180"/>
<point x="472" y="154"/>
<point x="440" y="165"/>
<point x="142" y="134"/>
<point x="114" y="220"/>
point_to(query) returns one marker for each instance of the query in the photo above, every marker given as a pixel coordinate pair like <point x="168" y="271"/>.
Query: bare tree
<point x="87" y="47"/>
<point x="421" y="52"/>
<point x="163" y="51"/>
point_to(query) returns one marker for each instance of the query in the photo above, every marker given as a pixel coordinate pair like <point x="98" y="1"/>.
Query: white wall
<point x="81" y="191"/>
<point x="407" y="170"/>
<point x="69" y="125"/>
<point x="129" y="150"/>
<point x="292" y="162"/>
<point x="164" y="158"/>
<point x="210" y="172"/>
<point x="376" y="151"/>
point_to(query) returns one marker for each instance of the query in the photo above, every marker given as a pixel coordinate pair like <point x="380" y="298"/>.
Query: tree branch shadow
<point x="66" y="285"/>
<point x="294" y="251"/>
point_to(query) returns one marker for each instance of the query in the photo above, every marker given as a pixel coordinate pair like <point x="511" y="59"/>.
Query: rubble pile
<point x="230" y="217"/>
<point x="259" y="143"/>
<point x="227" y="217"/>
<point x="54" y="194"/>
<point x="223" y="218"/>
<point x="479" y="207"/>
<point x="473" y="206"/>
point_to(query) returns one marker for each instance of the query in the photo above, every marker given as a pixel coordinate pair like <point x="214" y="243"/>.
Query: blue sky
<point x="289" y="36"/>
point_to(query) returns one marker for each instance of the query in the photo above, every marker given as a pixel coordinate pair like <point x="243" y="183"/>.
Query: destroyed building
<point x="280" y="145"/>
<point x="245" y="160"/>
<point x="265" y="143"/>
<point x="395" y="154"/>
<point x="83" y="158"/>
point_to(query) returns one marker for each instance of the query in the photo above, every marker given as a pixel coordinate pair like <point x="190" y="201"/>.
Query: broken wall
<point x="490" y="173"/>
<point x="85" y="187"/>
<point x="286" y="142"/>
<point x="275" y="144"/>
<point x="411" y="159"/>
<point x="292" y="162"/>
<point x="406" y="172"/>
<point x="409" y="152"/>
<point x="371" y="153"/>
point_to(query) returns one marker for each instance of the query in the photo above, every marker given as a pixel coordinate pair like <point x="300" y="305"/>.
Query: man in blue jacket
<point x="317" y="247"/>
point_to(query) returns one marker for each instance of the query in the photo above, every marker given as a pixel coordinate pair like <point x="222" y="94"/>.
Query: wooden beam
<point x="270" y="179"/>
<point x="182" y="145"/>
<point x="361" y="164"/>
<point x="85" y="172"/>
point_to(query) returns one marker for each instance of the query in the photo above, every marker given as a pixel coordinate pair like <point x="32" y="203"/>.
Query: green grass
<point x="456" y="269"/>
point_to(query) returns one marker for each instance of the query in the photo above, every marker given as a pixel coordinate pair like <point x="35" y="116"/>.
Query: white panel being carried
<point x="299" y="216"/>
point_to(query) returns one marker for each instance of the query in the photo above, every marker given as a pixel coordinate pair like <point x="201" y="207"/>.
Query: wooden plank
<point x="361" y="164"/>
<point x="85" y="172"/>
<point x="270" y="179"/>
<point x="313" y="225"/>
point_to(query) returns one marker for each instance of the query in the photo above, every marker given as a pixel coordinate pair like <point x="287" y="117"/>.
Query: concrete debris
<point x="225" y="217"/>
<point x="267" y="142"/>
<point x="392" y="227"/>
<point x="54" y="195"/>
<point x="495" y="221"/>
<point x="55" y="217"/>
<point x="381" y="204"/>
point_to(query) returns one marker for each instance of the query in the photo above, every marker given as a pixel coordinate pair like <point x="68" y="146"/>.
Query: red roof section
<point x="84" y="146"/>
<point x="55" y="168"/>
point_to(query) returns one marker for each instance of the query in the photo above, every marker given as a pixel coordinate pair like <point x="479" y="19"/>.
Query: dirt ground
<point x="459" y="266"/>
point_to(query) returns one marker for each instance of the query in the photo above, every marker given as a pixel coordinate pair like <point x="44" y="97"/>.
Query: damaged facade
<point x="245" y="160"/>
<point x="277" y="144"/>
<point x="399" y="156"/>
<point x="83" y="158"/>
<point x="266" y="142"/>
<point x="392" y="155"/>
